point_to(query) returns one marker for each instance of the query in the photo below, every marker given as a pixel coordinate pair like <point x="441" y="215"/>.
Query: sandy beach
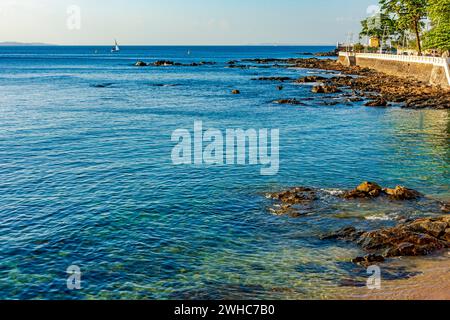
<point x="433" y="283"/>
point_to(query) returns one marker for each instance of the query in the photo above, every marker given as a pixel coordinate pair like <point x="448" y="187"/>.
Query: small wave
<point x="333" y="192"/>
<point x="379" y="217"/>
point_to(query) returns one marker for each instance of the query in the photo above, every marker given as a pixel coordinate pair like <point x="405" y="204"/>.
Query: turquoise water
<point x="87" y="178"/>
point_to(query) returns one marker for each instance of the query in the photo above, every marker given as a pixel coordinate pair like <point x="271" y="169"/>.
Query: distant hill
<point x="24" y="44"/>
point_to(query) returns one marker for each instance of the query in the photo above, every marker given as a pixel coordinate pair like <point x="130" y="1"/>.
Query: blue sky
<point x="172" y="22"/>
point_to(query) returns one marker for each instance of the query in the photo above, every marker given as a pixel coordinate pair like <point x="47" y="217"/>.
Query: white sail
<point x="116" y="48"/>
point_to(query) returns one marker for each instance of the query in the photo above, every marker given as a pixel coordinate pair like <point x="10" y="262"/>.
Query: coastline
<point x="382" y="90"/>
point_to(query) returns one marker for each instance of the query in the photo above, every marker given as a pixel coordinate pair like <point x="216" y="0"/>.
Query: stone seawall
<point x="424" y="72"/>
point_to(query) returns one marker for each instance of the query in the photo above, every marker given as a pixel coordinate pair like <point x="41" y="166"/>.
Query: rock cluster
<point x="369" y="84"/>
<point x="373" y="190"/>
<point x="281" y="79"/>
<point x="310" y="79"/>
<point x="419" y="237"/>
<point x="291" y="101"/>
<point x="298" y="195"/>
<point x="325" y="89"/>
<point x="166" y="63"/>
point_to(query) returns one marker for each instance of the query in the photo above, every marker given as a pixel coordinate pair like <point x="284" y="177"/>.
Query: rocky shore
<point x="380" y="89"/>
<point x="416" y="237"/>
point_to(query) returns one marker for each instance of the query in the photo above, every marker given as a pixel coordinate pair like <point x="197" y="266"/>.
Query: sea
<point x="88" y="183"/>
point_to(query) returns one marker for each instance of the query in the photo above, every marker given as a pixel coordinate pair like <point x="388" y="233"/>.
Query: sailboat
<point x="115" y="48"/>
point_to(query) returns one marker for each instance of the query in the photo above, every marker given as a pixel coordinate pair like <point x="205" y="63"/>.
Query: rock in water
<point x="402" y="193"/>
<point x="298" y="195"/>
<point x="420" y="237"/>
<point x="325" y="89"/>
<point x="377" y="103"/>
<point x="310" y="79"/>
<point x="281" y="79"/>
<point x="364" y="190"/>
<point x="235" y="92"/>
<point x="368" y="260"/>
<point x="292" y="101"/>
<point x="141" y="64"/>
<point x="163" y="63"/>
<point x="445" y="207"/>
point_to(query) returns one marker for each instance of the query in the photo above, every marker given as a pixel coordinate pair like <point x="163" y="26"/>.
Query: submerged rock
<point x="292" y="101"/>
<point x="281" y="79"/>
<point x="310" y="79"/>
<point x="445" y="207"/>
<point x="298" y="195"/>
<point x="368" y="260"/>
<point x="325" y="89"/>
<point x="102" y="85"/>
<point x="377" y="103"/>
<point x="141" y="64"/>
<point x="347" y="233"/>
<point x="417" y="238"/>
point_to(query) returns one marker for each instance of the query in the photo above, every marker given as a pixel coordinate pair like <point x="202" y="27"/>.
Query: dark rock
<point x="327" y="54"/>
<point x="310" y="79"/>
<point x="281" y="79"/>
<point x="292" y="196"/>
<point x="102" y="85"/>
<point x="141" y="64"/>
<point x="235" y="92"/>
<point x="368" y="260"/>
<point x="377" y="103"/>
<point x="419" y="237"/>
<point x="325" y="89"/>
<point x="280" y="88"/>
<point x="347" y="234"/>
<point x="207" y="63"/>
<point x="288" y="101"/>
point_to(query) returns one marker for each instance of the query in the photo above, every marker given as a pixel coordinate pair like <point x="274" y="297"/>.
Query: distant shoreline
<point x="36" y="44"/>
<point x="22" y="44"/>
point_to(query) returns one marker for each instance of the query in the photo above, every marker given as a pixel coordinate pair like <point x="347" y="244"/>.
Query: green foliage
<point x="439" y="36"/>
<point x="398" y="17"/>
<point x="378" y="26"/>
<point x="407" y="14"/>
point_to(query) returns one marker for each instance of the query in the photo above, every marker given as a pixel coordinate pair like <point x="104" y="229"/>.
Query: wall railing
<point x="437" y="61"/>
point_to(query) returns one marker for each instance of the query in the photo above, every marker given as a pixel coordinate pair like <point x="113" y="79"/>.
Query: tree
<point x="408" y="15"/>
<point x="439" y="36"/>
<point x="378" y="26"/>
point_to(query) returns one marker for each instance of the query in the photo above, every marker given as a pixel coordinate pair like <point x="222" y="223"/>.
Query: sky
<point x="182" y="22"/>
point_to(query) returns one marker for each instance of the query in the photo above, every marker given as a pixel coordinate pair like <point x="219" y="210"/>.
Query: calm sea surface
<point x="86" y="176"/>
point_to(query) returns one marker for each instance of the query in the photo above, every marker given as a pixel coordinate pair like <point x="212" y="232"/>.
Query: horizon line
<point x="14" y="43"/>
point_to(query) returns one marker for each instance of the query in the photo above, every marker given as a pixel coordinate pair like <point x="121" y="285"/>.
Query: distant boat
<point x="115" y="48"/>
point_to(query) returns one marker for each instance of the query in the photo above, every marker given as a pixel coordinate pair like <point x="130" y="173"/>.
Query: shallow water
<point x="87" y="178"/>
